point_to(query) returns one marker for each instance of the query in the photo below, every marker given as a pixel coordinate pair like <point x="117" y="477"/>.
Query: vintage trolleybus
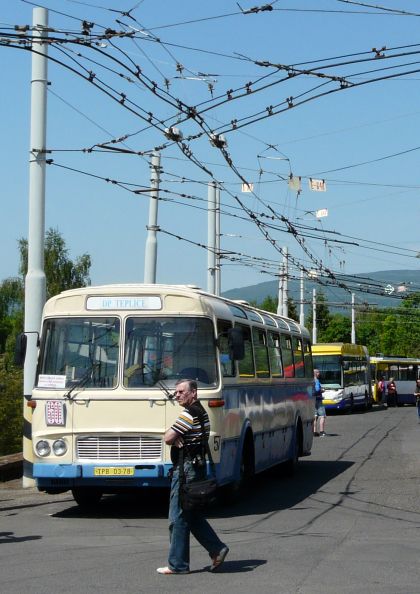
<point x="345" y="374"/>
<point x="109" y="357"/>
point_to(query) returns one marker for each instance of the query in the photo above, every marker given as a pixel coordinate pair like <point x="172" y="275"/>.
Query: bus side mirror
<point x="236" y="344"/>
<point x="20" y="349"/>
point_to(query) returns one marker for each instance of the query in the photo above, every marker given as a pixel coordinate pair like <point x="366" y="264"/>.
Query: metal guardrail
<point x="11" y="467"/>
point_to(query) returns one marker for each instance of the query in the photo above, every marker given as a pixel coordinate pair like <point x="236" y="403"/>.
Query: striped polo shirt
<point x="188" y="426"/>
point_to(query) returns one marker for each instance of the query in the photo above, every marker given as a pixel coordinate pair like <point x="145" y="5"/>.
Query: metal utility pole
<point x="150" y="254"/>
<point x="285" y="283"/>
<point x="35" y="282"/>
<point x="302" y="292"/>
<point x="218" y="278"/>
<point x="314" y="336"/>
<point x="353" y="321"/>
<point x="211" y="238"/>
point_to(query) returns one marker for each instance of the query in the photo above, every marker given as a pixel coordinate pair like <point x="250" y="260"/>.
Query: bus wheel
<point x="86" y="496"/>
<point x="351" y="403"/>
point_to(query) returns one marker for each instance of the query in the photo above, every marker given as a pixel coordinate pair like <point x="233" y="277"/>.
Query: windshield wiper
<point x="82" y="381"/>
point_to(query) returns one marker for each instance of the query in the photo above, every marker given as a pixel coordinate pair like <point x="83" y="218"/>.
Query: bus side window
<point x="227" y="365"/>
<point x="246" y="365"/>
<point x="261" y="354"/>
<point x="274" y="353"/>
<point x="298" y="357"/>
<point x="286" y="350"/>
<point x="307" y="355"/>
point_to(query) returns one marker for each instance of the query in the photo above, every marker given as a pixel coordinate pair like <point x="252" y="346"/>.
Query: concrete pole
<point x="35" y="282"/>
<point x="211" y="238"/>
<point x="218" y="269"/>
<point x="285" y="283"/>
<point x="150" y="254"/>
<point x="302" y="309"/>
<point x="280" y="291"/>
<point x="314" y="336"/>
<point x="353" y="321"/>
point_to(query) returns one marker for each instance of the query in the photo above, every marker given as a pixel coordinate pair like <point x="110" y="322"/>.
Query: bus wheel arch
<point x="245" y="469"/>
<point x="296" y="449"/>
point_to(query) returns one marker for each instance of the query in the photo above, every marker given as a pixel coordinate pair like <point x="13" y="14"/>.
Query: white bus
<point x="109" y="357"/>
<point x="404" y="370"/>
<point x="345" y="375"/>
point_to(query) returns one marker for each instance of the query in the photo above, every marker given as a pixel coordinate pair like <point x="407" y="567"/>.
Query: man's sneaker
<point x="322" y="434"/>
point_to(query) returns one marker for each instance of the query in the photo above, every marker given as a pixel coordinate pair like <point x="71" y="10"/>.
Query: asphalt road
<point x="349" y="521"/>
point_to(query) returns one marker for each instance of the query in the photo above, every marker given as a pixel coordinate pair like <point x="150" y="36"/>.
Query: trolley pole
<point x="314" y="329"/>
<point x="218" y="271"/>
<point x="211" y="238"/>
<point x="35" y="282"/>
<point x="302" y="309"/>
<point x="285" y="283"/>
<point x="150" y="254"/>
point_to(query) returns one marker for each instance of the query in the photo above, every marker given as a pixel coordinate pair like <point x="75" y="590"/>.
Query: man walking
<point x="190" y="432"/>
<point x="320" y="413"/>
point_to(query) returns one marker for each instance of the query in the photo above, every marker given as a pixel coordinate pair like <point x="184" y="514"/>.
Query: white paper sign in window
<point x="57" y="382"/>
<point x="55" y="413"/>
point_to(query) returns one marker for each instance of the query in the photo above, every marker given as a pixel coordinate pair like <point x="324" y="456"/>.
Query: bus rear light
<point x="216" y="403"/>
<point x="31" y="403"/>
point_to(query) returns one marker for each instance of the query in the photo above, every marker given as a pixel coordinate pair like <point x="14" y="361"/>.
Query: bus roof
<point x="149" y="297"/>
<point x="393" y="359"/>
<point x="339" y="348"/>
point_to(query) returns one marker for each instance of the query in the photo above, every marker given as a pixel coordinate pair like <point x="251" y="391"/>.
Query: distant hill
<point x="382" y="282"/>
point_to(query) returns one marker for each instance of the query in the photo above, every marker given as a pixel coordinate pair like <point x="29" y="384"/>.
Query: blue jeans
<point x="181" y="523"/>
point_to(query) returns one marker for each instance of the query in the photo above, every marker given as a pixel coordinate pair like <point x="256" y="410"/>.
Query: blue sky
<point x="362" y="141"/>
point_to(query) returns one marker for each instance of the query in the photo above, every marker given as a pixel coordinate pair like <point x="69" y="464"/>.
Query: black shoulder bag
<point x="199" y="494"/>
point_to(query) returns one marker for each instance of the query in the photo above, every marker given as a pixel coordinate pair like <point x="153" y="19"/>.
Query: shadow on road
<point x="269" y="492"/>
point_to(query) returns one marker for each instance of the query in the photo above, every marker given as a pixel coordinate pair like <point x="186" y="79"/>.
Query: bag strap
<point x="206" y="452"/>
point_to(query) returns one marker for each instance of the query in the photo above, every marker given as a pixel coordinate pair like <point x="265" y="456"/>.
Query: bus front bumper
<point x="101" y="475"/>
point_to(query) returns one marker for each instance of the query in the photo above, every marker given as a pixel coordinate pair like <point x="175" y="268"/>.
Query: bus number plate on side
<point x="113" y="471"/>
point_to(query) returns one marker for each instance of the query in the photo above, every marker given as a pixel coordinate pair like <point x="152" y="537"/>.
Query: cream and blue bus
<point x="345" y="375"/>
<point x="109" y="358"/>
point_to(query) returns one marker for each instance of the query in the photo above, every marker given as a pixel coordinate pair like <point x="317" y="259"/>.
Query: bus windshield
<point x="81" y="350"/>
<point x="169" y="349"/>
<point x="330" y="370"/>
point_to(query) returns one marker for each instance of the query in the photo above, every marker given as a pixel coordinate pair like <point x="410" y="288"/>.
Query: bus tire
<point x="86" y="496"/>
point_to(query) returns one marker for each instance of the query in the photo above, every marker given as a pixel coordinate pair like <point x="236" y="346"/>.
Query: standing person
<point x="417" y="395"/>
<point x="320" y="413"/>
<point x="392" y="398"/>
<point x="187" y="433"/>
<point x="382" y="391"/>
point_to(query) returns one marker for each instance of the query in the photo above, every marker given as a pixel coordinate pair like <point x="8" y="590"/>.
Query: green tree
<point x="338" y="329"/>
<point x="61" y="272"/>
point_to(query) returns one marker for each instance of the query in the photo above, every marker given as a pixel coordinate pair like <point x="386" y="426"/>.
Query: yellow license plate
<point x="113" y="471"/>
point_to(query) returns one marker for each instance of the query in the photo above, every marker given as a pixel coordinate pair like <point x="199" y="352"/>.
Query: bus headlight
<point x="43" y="448"/>
<point x="59" y="447"/>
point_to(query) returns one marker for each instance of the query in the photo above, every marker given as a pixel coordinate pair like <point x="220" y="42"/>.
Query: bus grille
<point x="119" y="448"/>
